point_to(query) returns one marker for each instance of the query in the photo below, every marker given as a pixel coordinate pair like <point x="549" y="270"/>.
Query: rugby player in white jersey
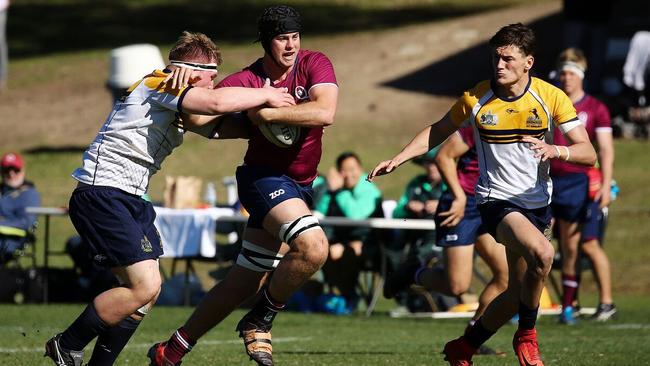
<point x="107" y="209"/>
<point x="511" y="116"/>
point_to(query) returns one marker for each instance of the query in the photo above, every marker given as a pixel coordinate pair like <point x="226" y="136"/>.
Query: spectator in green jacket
<point x="419" y="201"/>
<point x="348" y="195"/>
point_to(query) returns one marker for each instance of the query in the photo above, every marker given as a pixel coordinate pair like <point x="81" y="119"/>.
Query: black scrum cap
<point x="277" y="19"/>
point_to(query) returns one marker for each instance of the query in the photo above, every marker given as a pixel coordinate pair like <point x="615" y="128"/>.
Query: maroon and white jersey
<point x="299" y="161"/>
<point x="594" y="115"/>
<point x="467" y="169"/>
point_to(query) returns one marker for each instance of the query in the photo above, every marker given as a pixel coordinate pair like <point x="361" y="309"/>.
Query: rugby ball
<point x="279" y="134"/>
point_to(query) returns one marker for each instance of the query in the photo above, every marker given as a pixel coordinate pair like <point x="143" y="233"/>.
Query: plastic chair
<point x="24" y="242"/>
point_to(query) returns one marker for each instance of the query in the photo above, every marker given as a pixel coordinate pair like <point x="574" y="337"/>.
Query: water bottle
<point x="614" y="191"/>
<point x="210" y="196"/>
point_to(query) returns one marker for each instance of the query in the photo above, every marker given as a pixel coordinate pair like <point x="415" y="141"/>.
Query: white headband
<point x="195" y="65"/>
<point x="574" y="68"/>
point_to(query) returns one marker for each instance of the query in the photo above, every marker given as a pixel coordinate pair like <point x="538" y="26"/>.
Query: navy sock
<point x="527" y="317"/>
<point x="112" y="341"/>
<point x="265" y="310"/>
<point x="83" y="330"/>
<point x="477" y="334"/>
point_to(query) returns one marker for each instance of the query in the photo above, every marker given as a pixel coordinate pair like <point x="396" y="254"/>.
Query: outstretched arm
<point x="233" y="99"/>
<point x="424" y="141"/>
<point x="319" y="111"/>
<point x="222" y="127"/>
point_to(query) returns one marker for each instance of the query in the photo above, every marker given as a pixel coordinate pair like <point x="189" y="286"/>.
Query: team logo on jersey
<point x="99" y="258"/>
<point x="533" y="120"/>
<point x="489" y="119"/>
<point x="146" y="245"/>
<point x="301" y="93"/>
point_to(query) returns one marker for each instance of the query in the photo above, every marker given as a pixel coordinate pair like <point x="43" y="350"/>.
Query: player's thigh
<point x="493" y="253"/>
<point x="143" y="276"/>
<point x="516" y="269"/>
<point x="294" y="224"/>
<point x="274" y="200"/>
<point x="458" y="263"/>
<point x="285" y="212"/>
<point x="264" y="239"/>
<point x="568" y="229"/>
<point x="519" y="235"/>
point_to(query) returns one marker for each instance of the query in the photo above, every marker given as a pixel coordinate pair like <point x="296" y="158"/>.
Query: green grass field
<point x="49" y="59"/>
<point x="315" y="339"/>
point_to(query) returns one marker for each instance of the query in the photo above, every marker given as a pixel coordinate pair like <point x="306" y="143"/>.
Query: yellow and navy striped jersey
<point x="508" y="169"/>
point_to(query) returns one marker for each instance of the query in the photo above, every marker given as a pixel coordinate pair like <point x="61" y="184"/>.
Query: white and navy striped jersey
<point x="140" y="132"/>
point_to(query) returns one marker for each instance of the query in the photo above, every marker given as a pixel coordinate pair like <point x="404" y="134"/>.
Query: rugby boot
<point x="526" y="348"/>
<point x="257" y="341"/>
<point x="458" y="352"/>
<point x="157" y="356"/>
<point x="605" y="312"/>
<point x="60" y="355"/>
<point x="568" y="316"/>
<point x="484" y="350"/>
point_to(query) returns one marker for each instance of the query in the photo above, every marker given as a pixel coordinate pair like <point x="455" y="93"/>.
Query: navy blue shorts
<point x="570" y="197"/>
<point x="494" y="211"/>
<point x="467" y="230"/>
<point x="117" y="225"/>
<point x="594" y="224"/>
<point x="260" y="189"/>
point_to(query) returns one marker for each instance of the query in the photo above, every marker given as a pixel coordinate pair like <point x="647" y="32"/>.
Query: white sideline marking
<point x="147" y="345"/>
<point x="469" y="314"/>
<point x="629" y="326"/>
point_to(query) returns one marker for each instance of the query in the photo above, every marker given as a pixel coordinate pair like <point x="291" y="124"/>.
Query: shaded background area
<point x="44" y="27"/>
<point x="456" y="73"/>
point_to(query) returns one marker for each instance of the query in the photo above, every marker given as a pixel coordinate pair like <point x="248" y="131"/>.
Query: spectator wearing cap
<point x="16" y="194"/>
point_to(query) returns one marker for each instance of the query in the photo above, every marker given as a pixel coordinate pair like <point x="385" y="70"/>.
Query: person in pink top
<point x="274" y="186"/>
<point x="577" y="213"/>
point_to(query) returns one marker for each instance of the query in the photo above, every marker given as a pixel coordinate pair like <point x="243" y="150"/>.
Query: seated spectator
<point x="319" y="185"/>
<point x="15" y="195"/>
<point x="348" y="195"/>
<point x="420" y="201"/>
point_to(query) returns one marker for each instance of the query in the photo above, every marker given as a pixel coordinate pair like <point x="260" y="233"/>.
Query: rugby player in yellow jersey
<point x="511" y="116"/>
